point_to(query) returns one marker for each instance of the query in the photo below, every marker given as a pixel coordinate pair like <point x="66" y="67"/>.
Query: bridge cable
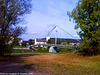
<point x="68" y="33"/>
<point x="51" y="30"/>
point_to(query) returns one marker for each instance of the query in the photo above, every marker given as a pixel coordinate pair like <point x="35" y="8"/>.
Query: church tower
<point x="48" y="37"/>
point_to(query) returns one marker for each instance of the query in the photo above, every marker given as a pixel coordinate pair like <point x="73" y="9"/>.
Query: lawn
<point x="43" y="50"/>
<point x="58" y="64"/>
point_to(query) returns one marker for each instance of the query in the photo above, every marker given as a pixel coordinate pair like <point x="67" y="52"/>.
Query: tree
<point x="10" y="16"/>
<point x="49" y="41"/>
<point x="31" y="41"/>
<point x="24" y="43"/>
<point x="18" y="42"/>
<point x="58" y="41"/>
<point x="87" y="18"/>
<point x="68" y="42"/>
<point x="64" y="43"/>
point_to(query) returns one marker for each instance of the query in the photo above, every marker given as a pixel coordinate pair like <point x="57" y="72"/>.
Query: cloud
<point x="33" y="33"/>
<point x="48" y="13"/>
<point x="76" y="36"/>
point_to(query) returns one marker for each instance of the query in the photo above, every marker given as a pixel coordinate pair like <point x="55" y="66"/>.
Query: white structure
<point x="51" y="49"/>
<point x="40" y="41"/>
<point x="47" y="38"/>
<point x="20" y="42"/>
<point x="11" y="39"/>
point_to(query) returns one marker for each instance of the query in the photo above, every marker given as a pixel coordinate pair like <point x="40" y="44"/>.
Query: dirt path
<point x="7" y="68"/>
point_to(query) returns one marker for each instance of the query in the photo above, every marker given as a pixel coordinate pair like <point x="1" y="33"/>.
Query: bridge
<point x="57" y="45"/>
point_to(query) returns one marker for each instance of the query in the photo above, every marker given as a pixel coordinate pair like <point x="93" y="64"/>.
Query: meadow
<point x="71" y="63"/>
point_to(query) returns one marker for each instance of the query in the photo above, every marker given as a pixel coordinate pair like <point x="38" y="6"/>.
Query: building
<point x="40" y="41"/>
<point x="20" y="42"/>
<point x="10" y="39"/>
<point x="47" y="38"/>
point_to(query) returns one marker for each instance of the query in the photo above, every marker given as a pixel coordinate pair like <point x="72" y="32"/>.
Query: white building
<point x="20" y="42"/>
<point x="40" y="41"/>
<point x="11" y="39"/>
<point x="47" y="38"/>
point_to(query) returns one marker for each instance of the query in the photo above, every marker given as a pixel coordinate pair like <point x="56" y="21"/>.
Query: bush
<point x="24" y="44"/>
<point x="39" y="48"/>
<point x="5" y="49"/>
<point x="66" y="50"/>
<point x="86" y="48"/>
<point x="42" y="50"/>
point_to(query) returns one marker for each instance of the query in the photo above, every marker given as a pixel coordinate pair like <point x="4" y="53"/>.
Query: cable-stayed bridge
<point x="58" y="45"/>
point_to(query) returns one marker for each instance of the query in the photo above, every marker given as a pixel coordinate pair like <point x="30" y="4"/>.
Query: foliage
<point x="17" y="31"/>
<point x="52" y="41"/>
<point x="64" y="43"/>
<point x="11" y="12"/>
<point x="87" y="18"/>
<point x="66" y="50"/>
<point x="31" y="41"/>
<point x="21" y="51"/>
<point x="24" y="44"/>
<point x="68" y="42"/>
<point x="58" y="41"/>
<point x="39" y="48"/>
<point x="5" y="49"/>
<point x="16" y="41"/>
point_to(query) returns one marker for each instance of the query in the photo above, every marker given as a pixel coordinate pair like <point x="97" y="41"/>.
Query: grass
<point x="62" y="64"/>
<point x="44" y="50"/>
<point x="17" y="46"/>
<point x="67" y="64"/>
<point x="21" y="51"/>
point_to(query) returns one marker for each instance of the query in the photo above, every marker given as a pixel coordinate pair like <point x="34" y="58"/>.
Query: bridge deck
<point x="57" y="45"/>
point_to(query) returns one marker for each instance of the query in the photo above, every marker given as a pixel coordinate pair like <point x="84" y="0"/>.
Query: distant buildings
<point x="40" y="41"/>
<point x="49" y="40"/>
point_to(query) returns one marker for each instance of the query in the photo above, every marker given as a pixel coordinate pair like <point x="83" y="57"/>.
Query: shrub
<point x="87" y="48"/>
<point x="5" y="49"/>
<point x="64" y="43"/>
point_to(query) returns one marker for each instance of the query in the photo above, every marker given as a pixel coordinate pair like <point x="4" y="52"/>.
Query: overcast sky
<point x="45" y="15"/>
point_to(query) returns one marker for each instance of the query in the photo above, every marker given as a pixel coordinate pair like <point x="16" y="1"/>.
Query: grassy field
<point x="43" y="50"/>
<point x="21" y="51"/>
<point x="58" y="64"/>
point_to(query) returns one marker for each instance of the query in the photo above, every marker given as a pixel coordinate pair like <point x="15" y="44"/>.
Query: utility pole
<point x="56" y="36"/>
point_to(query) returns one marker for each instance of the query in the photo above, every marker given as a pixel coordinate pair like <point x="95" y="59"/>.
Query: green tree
<point x="64" y="43"/>
<point x="11" y="12"/>
<point x="31" y="41"/>
<point x="24" y="44"/>
<point x="49" y="42"/>
<point x="87" y="18"/>
<point x="68" y="42"/>
<point x="58" y="41"/>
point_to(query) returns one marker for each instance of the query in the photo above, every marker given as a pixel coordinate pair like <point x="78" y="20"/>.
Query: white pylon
<point x="56" y="36"/>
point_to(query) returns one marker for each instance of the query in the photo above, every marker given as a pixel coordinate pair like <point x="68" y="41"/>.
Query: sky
<point x="45" y="15"/>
